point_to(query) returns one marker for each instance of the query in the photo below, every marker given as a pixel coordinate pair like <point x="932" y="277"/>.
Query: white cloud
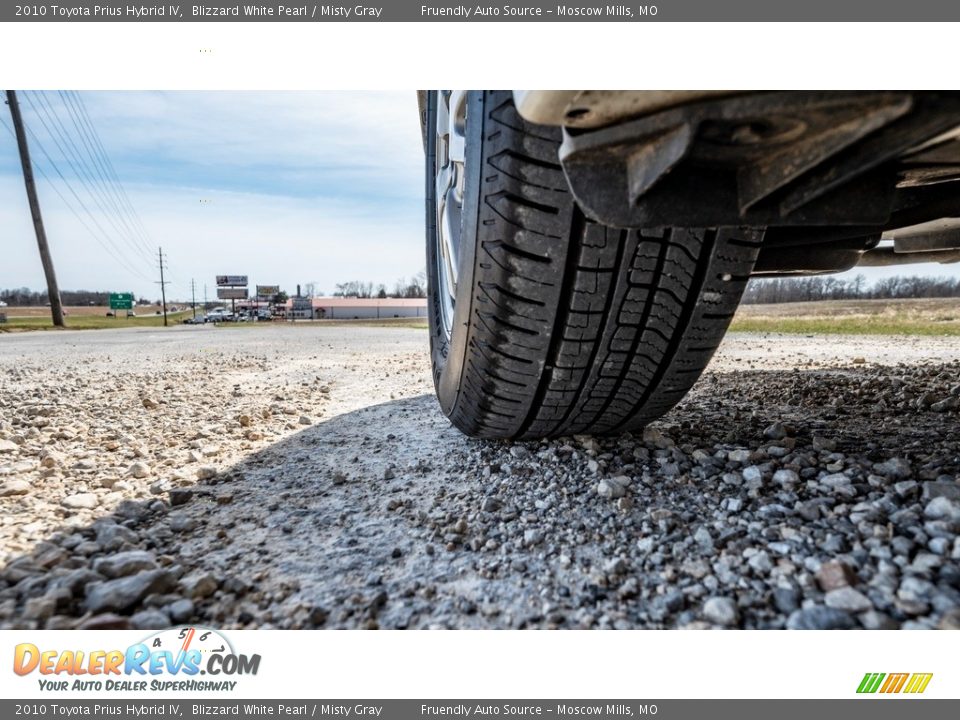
<point x="272" y="239"/>
<point x="376" y="135"/>
<point x="301" y="187"/>
<point x="298" y="187"/>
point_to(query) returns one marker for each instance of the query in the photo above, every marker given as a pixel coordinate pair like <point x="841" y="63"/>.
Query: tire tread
<point x="577" y="327"/>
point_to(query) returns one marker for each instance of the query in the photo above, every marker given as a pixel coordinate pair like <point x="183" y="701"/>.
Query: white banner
<point x="508" y="664"/>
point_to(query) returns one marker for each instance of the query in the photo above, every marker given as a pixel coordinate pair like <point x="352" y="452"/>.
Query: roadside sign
<point x="301" y="303"/>
<point x="121" y="301"/>
<point x="232" y="281"/>
<point x="268" y="290"/>
<point x="232" y="293"/>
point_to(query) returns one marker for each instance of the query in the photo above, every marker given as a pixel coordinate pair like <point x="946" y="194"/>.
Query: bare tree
<point x="779" y="290"/>
<point x="415" y="287"/>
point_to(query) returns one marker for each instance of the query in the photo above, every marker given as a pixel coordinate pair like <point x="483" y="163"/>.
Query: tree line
<point x="759" y="290"/>
<point x="25" y="297"/>
<point x="824" y="287"/>
<point x="415" y="287"/>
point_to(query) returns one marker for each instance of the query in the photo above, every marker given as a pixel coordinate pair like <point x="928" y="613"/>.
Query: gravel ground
<point x="305" y="478"/>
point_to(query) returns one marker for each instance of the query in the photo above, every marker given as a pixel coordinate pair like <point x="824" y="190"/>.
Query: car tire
<point x="557" y="324"/>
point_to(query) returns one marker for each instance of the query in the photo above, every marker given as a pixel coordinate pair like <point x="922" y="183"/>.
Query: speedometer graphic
<point x="180" y="640"/>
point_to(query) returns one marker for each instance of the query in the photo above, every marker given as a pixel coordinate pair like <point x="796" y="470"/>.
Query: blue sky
<point x="284" y="187"/>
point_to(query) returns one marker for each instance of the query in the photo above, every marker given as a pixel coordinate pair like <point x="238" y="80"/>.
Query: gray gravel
<point x="804" y="483"/>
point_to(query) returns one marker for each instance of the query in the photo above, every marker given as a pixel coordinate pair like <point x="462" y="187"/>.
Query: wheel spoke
<point x="451" y="242"/>
<point x="456" y="126"/>
<point x="448" y="185"/>
<point x="444" y="181"/>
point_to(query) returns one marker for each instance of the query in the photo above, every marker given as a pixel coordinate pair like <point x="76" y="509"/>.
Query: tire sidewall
<point x="448" y="353"/>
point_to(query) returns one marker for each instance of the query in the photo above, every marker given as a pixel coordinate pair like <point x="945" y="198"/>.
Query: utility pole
<point x="193" y="297"/>
<point x="163" y="290"/>
<point x="53" y="291"/>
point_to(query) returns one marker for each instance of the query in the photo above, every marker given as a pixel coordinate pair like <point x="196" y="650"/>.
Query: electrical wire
<point x="78" y="102"/>
<point x="99" y="179"/>
<point x="111" y="170"/>
<point x="105" y="190"/>
<point x="115" y="254"/>
<point x="70" y="153"/>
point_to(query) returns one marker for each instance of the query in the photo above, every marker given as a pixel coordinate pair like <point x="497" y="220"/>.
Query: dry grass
<point x="936" y="316"/>
<point x="84" y="318"/>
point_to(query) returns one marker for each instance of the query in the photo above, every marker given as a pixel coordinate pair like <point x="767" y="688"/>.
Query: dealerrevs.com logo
<point x="171" y="660"/>
<point x="891" y="683"/>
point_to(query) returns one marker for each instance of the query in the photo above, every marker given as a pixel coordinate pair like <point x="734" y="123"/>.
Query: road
<point x="304" y="477"/>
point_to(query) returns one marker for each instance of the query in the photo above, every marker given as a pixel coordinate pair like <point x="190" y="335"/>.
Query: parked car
<point x="587" y="249"/>
<point x="219" y="315"/>
<point x="198" y="320"/>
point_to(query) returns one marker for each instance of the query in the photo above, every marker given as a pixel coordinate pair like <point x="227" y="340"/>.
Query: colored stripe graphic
<point x="913" y="683"/>
<point x="894" y="683"/>
<point x="870" y="683"/>
<point x="918" y="682"/>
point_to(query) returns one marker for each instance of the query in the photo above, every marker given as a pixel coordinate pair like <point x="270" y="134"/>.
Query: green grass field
<point x="89" y="322"/>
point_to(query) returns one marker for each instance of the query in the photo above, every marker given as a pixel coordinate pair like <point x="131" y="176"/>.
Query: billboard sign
<point x="232" y="280"/>
<point x="302" y="303"/>
<point x="268" y="290"/>
<point x="232" y="293"/>
<point x="121" y="301"/>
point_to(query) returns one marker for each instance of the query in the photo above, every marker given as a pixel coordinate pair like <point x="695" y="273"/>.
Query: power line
<point x="86" y="178"/>
<point x="99" y="158"/>
<point x="78" y="100"/>
<point x="79" y="109"/>
<point x="107" y="191"/>
<point x="117" y="252"/>
<point x="81" y="177"/>
<point x="114" y="254"/>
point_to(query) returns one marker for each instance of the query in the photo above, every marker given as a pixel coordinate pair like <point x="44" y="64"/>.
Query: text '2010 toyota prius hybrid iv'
<point x="586" y="250"/>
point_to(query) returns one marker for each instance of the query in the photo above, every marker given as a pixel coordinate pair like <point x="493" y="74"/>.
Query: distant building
<point x="352" y="308"/>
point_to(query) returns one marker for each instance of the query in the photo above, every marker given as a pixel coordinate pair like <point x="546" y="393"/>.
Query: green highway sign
<point x="121" y="301"/>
